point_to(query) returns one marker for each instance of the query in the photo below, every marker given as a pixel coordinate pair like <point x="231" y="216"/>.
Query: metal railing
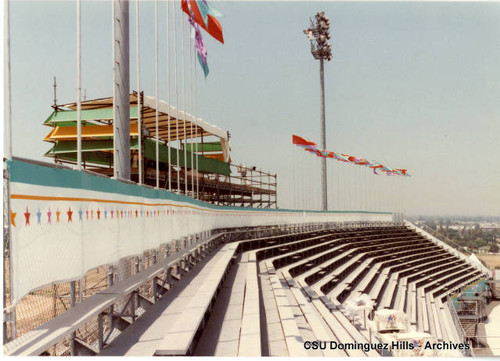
<point x="442" y="244"/>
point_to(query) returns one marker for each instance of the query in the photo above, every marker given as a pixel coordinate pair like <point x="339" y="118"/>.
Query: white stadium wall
<point x="64" y="223"/>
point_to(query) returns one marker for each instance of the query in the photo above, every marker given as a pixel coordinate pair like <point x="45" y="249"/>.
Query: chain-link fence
<point x="43" y="305"/>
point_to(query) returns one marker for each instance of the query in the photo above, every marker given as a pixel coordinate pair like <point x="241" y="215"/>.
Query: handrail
<point x="449" y="248"/>
<point x="458" y="324"/>
<point x="437" y="233"/>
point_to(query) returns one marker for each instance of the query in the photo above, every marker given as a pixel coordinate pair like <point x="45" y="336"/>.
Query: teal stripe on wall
<point x="38" y="174"/>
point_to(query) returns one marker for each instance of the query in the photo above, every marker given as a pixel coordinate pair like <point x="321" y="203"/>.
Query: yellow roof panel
<point x="90" y="131"/>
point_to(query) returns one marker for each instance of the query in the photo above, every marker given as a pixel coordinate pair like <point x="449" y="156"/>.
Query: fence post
<point x="7" y="248"/>
<point x="110" y="312"/>
<point x="100" y="332"/>
<point x="72" y="301"/>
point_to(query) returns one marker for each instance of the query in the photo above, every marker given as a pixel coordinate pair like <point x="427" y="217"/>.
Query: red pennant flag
<point x="214" y="27"/>
<point x="301" y="141"/>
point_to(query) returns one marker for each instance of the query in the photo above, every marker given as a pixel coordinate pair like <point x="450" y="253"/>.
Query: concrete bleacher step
<point x="340" y="325"/>
<point x="445" y="315"/>
<point x="293" y="338"/>
<point x="320" y="329"/>
<point x="249" y="343"/>
<point x="388" y="294"/>
<point x="276" y="344"/>
<point x="141" y="338"/>
<point x="411" y="298"/>
<point x="186" y="321"/>
<point x="362" y="286"/>
<point x="401" y="293"/>
<point x="343" y="329"/>
<point x="377" y="287"/>
<point x="437" y="320"/>
<point x="305" y="328"/>
<point x="221" y="335"/>
<point x="366" y="280"/>
<point x="422" y="312"/>
<point x="457" y="279"/>
<point x="236" y="331"/>
<point x="333" y="245"/>
<point x="400" y="299"/>
<point x="336" y="272"/>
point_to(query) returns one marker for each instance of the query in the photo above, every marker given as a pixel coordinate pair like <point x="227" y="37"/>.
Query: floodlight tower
<point x="319" y="33"/>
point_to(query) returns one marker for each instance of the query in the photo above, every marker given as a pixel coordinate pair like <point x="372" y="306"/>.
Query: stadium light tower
<point x="319" y="33"/>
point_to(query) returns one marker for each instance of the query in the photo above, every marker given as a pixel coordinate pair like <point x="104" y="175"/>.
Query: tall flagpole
<point x="139" y="105"/>
<point x="156" y="100"/>
<point x="78" y="87"/>
<point x="169" y="107"/>
<point x="191" y="48"/>
<point x="113" y="51"/>
<point x="7" y="244"/>
<point x="8" y="109"/>
<point x="184" y="105"/>
<point x="176" y="100"/>
<point x="196" y="130"/>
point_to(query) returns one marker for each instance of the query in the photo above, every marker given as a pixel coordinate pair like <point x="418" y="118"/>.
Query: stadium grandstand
<point x="142" y="238"/>
<point x="268" y="291"/>
<point x="220" y="285"/>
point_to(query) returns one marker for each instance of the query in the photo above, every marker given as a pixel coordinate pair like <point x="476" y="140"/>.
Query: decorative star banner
<point x="46" y="217"/>
<point x="313" y="148"/>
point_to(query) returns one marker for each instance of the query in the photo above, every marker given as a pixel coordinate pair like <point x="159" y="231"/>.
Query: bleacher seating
<point x="284" y="290"/>
<point x="310" y="275"/>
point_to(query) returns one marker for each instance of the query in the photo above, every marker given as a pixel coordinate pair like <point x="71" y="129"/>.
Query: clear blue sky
<point x="413" y="85"/>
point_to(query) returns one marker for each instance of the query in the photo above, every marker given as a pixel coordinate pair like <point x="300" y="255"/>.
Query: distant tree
<point x="479" y="242"/>
<point x="494" y="248"/>
<point x="431" y="224"/>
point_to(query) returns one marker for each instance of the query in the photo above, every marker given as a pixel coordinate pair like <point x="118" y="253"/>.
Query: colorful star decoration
<point x="13" y="218"/>
<point x="118" y="214"/>
<point x="27" y="216"/>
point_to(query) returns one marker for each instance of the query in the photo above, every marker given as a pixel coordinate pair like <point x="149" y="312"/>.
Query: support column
<point x="121" y="89"/>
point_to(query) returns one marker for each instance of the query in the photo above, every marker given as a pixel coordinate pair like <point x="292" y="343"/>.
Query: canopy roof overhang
<point x="101" y="152"/>
<point x="100" y="112"/>
<point x="88" y="132"/>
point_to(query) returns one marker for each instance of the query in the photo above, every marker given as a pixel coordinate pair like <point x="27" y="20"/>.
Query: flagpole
<point x="192" y="111"/>
<point x="115" y="156"/>
<point x="8" y="109"/>
<point x="176" y="100"/>
<point x="169" y="106"/>
<point x="196" y="129"/>
<point x="139" y="105"/>
<point x="78" y="88"/>
<point x="184" y="105"/>
<point x="7" y="248"/>
<point x="156" y="99"/>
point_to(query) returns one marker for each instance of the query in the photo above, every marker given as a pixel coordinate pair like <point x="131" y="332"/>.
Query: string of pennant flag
<point x="313" y="148"/>
<point x="201" y="15"/>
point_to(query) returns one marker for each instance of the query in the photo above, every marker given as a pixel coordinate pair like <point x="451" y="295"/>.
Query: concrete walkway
<point x="492" y="328"/>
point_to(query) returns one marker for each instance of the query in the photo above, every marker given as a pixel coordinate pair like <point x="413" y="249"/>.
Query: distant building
<point x="484" y="249"/>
